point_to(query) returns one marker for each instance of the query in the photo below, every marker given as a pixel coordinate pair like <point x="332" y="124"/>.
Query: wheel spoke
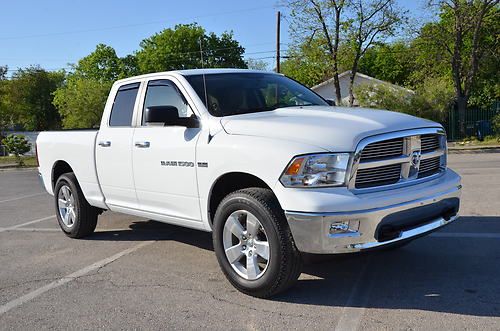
<point x="262" y="249"/>
<point x="253" y="225"/>
<point x="252" y="267"/>
<point x="62" y="203"/>
<point x="66" y="217"/>
<point x="72" y="215"/>
<point x="234" y="253"/>
<point x="66" y="193"/>
<point x="234" y="226"/>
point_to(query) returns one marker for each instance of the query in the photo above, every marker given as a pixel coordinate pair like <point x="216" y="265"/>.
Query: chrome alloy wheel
<point x="66" y="206"/>
<point x="246" y="245"/>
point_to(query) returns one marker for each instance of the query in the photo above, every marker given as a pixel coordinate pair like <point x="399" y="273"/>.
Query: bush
<point x="431" y="100"/>
<point x="18" y="145"/>
<point x="496" y="124"/>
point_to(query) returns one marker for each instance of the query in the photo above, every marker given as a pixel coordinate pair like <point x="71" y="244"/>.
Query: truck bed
<point x="77" y="147"/>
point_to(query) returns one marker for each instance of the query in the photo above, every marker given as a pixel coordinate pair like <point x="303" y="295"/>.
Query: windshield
<point x="242" y="93"/>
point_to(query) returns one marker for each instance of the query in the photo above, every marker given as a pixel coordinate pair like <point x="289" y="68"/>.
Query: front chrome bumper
<point x="312" y="231"/>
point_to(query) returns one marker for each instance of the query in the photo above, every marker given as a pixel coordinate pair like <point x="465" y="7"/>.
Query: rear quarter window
<point x="123" y="106"/>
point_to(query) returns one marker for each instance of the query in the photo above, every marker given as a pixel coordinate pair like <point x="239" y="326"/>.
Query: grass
<point x="473" y="141"/>
<point x="29" y="161"/>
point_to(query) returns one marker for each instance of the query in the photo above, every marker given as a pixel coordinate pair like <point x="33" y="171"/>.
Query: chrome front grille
<point x="384" y="175"/>
<point x="429" y="142"/>
<point x="429" y="167"/>
<point x="386" y="148"/>
<point x="398" y="158"/>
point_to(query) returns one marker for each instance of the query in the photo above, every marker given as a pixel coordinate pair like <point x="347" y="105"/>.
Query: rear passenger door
<point x="114" y="150"/>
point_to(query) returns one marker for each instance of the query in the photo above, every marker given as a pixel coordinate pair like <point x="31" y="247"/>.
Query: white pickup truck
<point x="263" y="162"/>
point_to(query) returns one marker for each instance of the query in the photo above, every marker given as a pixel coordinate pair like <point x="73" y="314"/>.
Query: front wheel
<point x="253" y="243"/>
<point x="75" y="216"/>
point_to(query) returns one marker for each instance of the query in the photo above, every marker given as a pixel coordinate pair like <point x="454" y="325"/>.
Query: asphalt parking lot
<point x="139" y="274"/>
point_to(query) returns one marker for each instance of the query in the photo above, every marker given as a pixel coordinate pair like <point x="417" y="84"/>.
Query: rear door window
<point x="123" y="107"/>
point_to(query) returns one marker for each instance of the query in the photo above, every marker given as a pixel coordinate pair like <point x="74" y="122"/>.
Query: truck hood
<point x="336" y="129"/>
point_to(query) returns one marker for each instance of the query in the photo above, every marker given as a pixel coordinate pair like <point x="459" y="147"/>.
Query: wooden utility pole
<point x="278" y="18"/>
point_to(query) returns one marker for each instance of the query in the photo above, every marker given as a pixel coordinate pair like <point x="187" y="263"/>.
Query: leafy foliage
<point x="309" y="63"/>
<point x="431" y="100"/>
<point x="389" y="62"/>
<point x="28" y="97"/>
<point x="18" y="145"/>
<point x="81" y="102"/>
<point x="179" y="48"/>
<point x="496" y="124"/>
<point x="5" y="116"/>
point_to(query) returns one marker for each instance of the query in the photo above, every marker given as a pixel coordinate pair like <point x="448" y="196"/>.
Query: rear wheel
<point x="75" y="216"/>
<point x="253" y="243"/>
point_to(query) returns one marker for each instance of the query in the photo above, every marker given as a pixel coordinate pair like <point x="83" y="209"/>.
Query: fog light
<point x="344" y="227"/>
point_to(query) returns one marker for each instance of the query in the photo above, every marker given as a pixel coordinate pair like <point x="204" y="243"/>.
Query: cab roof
<point x="191" y="72"/>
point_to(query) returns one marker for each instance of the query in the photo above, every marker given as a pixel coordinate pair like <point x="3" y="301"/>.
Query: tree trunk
<point x="462" y="108"/>
<point x="354" y="70"/>
<point x="336" y="81"/>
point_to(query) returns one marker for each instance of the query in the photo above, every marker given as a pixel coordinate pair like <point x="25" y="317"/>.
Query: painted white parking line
<point x="58" y="230"/>
<point x="23" y="197"/>
<point x="465" y="235"/>
<point x="354" y="309"/>
<point x="82" y="272"/>
<point x="27" y="223"/>
<point x="32" y="230"/>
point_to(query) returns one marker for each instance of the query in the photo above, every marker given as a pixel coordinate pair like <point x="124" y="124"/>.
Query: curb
<point x="14" y="168"/>
<point x="474" y="149"/>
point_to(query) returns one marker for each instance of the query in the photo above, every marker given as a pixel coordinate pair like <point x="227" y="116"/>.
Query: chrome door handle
<point x="142" y="144"/>
<point x="104" y="143"/>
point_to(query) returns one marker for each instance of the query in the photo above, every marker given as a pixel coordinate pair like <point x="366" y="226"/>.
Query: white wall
<point x="327" y="91"/>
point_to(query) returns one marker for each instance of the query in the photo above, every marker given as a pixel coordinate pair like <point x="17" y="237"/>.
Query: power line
<point x="209" y="50"/>
<point x="134" y="25"/>
<point x="175" y="57"/>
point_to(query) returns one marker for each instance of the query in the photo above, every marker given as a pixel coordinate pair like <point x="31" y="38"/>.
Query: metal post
<point x="278" y="18"/>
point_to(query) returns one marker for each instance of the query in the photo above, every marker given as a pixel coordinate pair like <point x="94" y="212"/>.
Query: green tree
<point x="101" y="65"/>
<point x="393" y="62"/>
<point x="5" y="117"/>
<point x="128" y="66"/>
<point x="313" y="21"/>
<point x="464" y="38"/>
<point x="309" y="63"/>
<point x="29" y="98"/>
<point x="81" y="102"/>
<point x="179" y="48"/>
<point x="372" y="21"/>
<point x="18" y="145"/>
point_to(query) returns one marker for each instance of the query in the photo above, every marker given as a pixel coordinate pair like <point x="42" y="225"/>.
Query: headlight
<point x="316" y="170"/>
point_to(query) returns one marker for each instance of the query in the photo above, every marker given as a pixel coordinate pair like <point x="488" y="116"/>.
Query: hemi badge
<point x="203" y="164"/>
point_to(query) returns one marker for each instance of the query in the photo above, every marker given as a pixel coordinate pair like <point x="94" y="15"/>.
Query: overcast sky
<point x="53" y="33"/>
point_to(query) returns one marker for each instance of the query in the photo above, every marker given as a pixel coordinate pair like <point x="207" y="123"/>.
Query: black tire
<point x="284" y="264"/>
<point x="86" y="215"/>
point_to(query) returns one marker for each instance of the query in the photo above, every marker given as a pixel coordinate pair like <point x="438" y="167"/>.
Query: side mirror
<point x="331" y="102"/>
<point x="168" y="116"/>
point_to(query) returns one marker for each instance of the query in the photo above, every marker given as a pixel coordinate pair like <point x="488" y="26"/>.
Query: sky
<point x="54" y="33"/>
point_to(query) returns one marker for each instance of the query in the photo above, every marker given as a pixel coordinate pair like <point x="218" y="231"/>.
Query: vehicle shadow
<point x="152" y="230"/>
<point x="449" y="274"/>
<point x="458" y="275"/>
